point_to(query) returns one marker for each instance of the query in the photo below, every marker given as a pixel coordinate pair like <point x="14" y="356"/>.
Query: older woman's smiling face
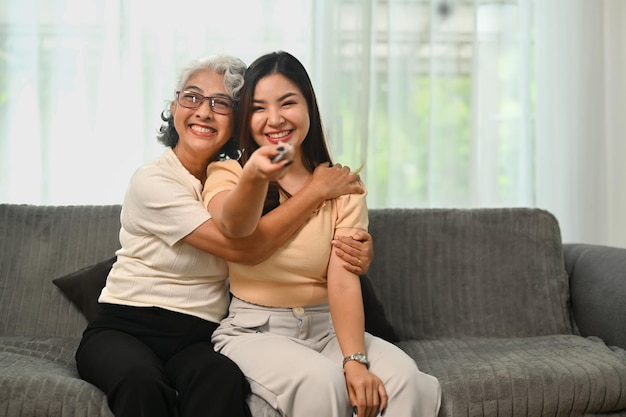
<point x="201" y="130"/>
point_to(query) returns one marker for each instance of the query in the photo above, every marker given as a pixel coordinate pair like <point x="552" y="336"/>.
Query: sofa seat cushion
<point x="39" y="378"/>
<point x="546" y="375"/>
<point x="57" y="352"/>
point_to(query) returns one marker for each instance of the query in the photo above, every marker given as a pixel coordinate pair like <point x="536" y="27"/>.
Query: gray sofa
<point x="512" y="322"/>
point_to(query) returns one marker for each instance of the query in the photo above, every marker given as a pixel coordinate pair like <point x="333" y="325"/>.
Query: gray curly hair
<point x="233" y="70"/>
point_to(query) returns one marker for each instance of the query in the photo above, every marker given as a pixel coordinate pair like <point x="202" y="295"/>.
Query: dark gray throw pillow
<point x="83" y="287"/>
<point x="376" y="322"/>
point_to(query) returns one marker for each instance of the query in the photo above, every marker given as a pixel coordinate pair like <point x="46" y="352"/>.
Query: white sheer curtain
<point x="436" y="102"/>
<point x="581" y="123"/>
<point x="83" y="83"/>
<point x="436" y="99"/>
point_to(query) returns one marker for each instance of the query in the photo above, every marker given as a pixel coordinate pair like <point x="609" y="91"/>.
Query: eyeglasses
<point x="193" y="100"/>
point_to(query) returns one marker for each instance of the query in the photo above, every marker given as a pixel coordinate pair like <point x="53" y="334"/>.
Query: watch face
<point x="359" y="357"/>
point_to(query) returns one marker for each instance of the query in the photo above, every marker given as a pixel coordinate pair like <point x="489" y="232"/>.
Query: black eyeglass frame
<point x="201" y="98"/>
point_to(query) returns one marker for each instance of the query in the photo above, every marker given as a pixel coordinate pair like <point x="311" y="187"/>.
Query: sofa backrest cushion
<point x="40" y="243"/>
<point x="470" y="272"/>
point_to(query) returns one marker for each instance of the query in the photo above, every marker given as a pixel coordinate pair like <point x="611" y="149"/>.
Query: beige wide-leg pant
<point x="292" y="359"/>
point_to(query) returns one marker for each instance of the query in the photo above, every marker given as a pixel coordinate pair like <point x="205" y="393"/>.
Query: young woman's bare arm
<point x="237" y="211"/>
<point x="365" y="390"/>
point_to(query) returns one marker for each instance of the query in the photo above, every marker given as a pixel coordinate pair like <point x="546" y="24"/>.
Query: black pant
<point x="157" y="363"/>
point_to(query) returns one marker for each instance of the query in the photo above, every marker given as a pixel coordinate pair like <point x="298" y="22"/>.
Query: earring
<point x="225" y="157"/>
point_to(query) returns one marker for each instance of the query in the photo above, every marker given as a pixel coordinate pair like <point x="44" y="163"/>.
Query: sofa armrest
<point x="597" y="277"/>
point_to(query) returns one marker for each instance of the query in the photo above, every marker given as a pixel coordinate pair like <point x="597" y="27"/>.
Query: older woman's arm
<point x="281" y="223"/>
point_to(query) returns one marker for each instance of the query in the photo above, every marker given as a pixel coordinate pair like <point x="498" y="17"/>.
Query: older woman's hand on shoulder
<point x="332" y="182"/>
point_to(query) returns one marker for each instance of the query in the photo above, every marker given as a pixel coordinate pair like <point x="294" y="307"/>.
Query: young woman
<point x="296" y="323"/>
<point x="150" y="348"/>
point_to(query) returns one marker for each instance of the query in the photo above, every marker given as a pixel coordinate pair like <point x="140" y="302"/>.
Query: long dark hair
<point x="314" y="150"/>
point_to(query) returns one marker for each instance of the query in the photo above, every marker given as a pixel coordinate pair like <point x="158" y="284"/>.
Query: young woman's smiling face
<point x="281" y="113"/>
<point x="201" y="130"/>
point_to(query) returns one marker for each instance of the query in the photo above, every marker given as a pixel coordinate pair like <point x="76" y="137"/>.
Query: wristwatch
<point x="359" y="357"/>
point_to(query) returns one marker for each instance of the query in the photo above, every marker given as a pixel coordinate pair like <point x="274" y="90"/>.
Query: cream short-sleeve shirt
<point x="154" y="267"/>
